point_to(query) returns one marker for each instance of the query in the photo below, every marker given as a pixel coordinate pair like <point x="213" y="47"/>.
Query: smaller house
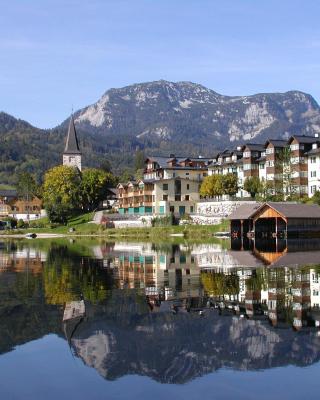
<point x="13" y="206"/>
<point x="274" y="219"/>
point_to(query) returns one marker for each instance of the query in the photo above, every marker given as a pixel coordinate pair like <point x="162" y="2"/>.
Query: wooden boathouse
<point x="273" y="219"/>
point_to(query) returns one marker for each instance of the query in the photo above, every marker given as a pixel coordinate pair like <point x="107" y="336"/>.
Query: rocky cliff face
<point x="166" y="111"/>
<point x="161" y="118"/>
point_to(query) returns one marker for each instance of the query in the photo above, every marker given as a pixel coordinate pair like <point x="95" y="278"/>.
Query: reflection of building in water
<point x="22" y="260"/>
<point x="172" y="273"/>
<point x="284" y="295"/>
<point x="214" y="256"/>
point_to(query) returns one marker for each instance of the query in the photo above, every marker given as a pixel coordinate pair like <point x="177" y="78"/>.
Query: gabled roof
<point x="304" y="139"/>
<point x="277" y="143"/>
<point x="313" y="151"/>
<point x="245" y="211"/>
<point x="294" y="210"/>
<point x="72" y="145"/>
<point x="8" y="193"/>
<point x="164" y="161"/>
<point x="254" y="146"/>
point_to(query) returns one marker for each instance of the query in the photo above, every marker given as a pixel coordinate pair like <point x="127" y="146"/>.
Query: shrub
<point x="21" y="224"/>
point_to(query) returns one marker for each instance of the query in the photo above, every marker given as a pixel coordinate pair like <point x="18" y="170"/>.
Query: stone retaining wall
<point x="212" y="212"/>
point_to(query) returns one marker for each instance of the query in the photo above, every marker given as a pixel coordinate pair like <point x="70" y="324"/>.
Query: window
<point x="186" y="197"/>
<point x="313" y="160"/>
<point x="247" y="154"/>
<point x="270" y="163"/>
<point x="188" y="186"/>
<point x="177" y="197"/>
<point x="191" y="209"/>
<point x="261" y="165"/>
<point x="313" y="174"/>
<point x="294" y="147"/>
<point x="165" y="186"/>
<point x="270" y="150"/>
<point x="165" y="197"/>
<point x="313" y="188"/>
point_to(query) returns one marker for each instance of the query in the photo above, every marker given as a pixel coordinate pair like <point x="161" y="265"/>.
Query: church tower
<point x="72" y="153"/>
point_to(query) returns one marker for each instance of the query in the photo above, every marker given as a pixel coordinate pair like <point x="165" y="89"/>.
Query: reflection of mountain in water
<point x="176" y="348"/>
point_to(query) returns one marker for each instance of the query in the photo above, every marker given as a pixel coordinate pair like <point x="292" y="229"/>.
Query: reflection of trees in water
<point x="220" y="284"/>
<point x="66" y="276"/>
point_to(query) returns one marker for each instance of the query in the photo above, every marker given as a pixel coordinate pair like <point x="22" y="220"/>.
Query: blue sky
<point x="55" y="54"/>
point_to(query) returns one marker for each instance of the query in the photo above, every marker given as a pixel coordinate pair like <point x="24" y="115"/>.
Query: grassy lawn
<point x="82" y="226"/>
<point x="4" y="186"/>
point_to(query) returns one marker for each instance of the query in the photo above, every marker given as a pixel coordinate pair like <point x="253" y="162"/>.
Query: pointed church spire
<point x="72" y="153"/>
<point x="72" y="145"/>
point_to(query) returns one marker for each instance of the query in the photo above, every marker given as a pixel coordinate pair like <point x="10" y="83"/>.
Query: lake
<point x="87" y="319"/>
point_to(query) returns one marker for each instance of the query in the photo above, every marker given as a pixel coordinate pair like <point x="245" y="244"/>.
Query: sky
<point x="56" y="55"/>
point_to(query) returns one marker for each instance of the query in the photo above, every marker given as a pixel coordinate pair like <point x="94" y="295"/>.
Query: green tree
<point x="27" y="187"/>
<point x="212" y="186"/>
<point x="284" y="185"/>
<point x="316" y="198"/>
<point x="94" y="186"/>
<point x="126" y="176"/>
<point x="105" y="165"/>
<point x="61" y="193"/>
<point x="139" y="160"/>
<point x="230" y="184"/>
<point x="253" y="185"/>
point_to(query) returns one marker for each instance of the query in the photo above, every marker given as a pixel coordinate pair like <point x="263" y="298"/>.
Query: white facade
<point x="170" y="198"/>
<point x="72" y="160"/>
<point x="313" y="174"/>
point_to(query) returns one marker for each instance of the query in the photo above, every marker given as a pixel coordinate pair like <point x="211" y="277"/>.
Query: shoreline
<point x="152" y="233"/>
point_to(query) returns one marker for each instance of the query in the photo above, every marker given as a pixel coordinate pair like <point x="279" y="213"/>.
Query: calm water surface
<point x="89" y="320"/>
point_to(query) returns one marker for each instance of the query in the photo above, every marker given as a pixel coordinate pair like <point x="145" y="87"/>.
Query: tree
<point x="212" y="186"/>
<point x="230" y="184"/>
<point x="105" y="165"/>
<point x="27" y="187"/>
<point x="139" y="160"/>
<point x="61" y="193"/>
<point x="126" y="176"/>
<point x="316" y="198"/>
<point x="284" y="186"/>
<point x="253" y="185"/>
<point x="94" y="186"/>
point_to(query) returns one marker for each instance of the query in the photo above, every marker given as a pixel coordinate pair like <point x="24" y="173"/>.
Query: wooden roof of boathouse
<point x="291" y="210"/>
<point x="284" y="209"/>
<point x="245" y="211"/>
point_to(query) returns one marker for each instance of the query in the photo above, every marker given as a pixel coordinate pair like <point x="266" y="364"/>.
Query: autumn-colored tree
<point x="212" y="186"/>
<point x="252" y="185"/>
<point x="61" y="193"/>
<point x="94" y="186"/>
<point x="230" y="184"/>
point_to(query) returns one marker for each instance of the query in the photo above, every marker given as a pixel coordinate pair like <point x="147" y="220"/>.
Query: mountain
<point x="159" y="113"/>
<point x="177" y="348"/>
<point x="26" y="148"/>
<point x="159" y="118"/>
